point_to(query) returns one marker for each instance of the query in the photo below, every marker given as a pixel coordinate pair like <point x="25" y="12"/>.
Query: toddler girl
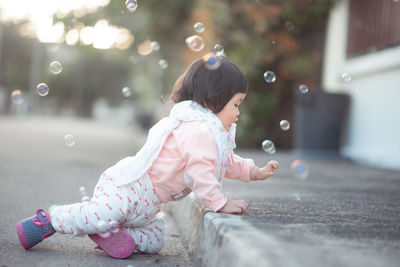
<point x="191" y="150"/>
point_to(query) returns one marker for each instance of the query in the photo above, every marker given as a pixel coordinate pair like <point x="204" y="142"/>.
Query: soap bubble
<point x="195" y="43"/>
<point x="300" y="169"/>
<point x="269" y="76"/>
<point x="55" y="67"/>
<point x="303" y="88"/>
<point x="85" y="199"/>
<point x="155" y="45"/>
<point x="199" y="27"/>
<point x="102" y="226"/>
<point x="82" y="190"/>
<point x="163" y="64"/>
<point x="346" y="76"/>
<point x="114" y="227"/>
<point x="69" y="140"/>
<point x="126" y="91"/>
<point x="17" y="97"/>
<point x="53" y="207"/>
<point x="219" y="50"/>
<point x="131" y="5"/>
<point x="268" y="146"/>
<point x="42" y="89"/>
<point x="105" y="234"/>
<point x="297" y="196"/>
<point x="289" y="25"/>
<point x="211" y="61"/>
<point x="285" y="125"/>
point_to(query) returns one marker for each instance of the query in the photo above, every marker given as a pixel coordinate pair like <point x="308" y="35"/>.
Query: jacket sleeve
<point x="198" y="148"/>
<point x="240" y="169"/>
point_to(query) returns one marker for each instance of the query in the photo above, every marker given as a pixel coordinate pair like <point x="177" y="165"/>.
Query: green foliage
<point x="279" y="36"/>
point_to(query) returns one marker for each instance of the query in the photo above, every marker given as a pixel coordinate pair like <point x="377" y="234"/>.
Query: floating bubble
<point x="133" y="59"/>
<point x="105" y="234"/>
<point x="42" y="89"/>
<point x="346" y="76"/>
<point x="303" y="88"/>
<point x="53" y="207"/>
<point x="114" y="227"/>
<point x="102" y="226"/>
<point x="166" y="218"/>
<point x="17" y="97"/>
<point x="300" y="169"/>
<point x="195" y="43"/>
<point x="82" y="190"/>
<point x="126" y="91"/>
<point x="289" y="25"/>
<point x="219" y="50"/>
<point x="269" y="76"/>
<point x="211" y="61"/>
<point x="69" y="140"/>
<point x="131" y="5"/>
<point x="297" y="196"/>
<point x="155" y="45"/>
<point x="55" y="67"/>
<point x="163" y="64"/>
<point x="199" y="27"/>
<point x="268" y="146"/>
<point x="285" y="125"/>
<point x="85" y="199"/>
<point x="273" y="150"/>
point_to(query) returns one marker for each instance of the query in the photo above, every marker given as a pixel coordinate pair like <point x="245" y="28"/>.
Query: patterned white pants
<point x="132" y="206"/>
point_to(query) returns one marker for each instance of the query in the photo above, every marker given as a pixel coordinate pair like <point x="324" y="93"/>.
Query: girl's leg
<point x="143" y="225"/>
<point x="150" y="238"/>
<point x="108" y="204"/>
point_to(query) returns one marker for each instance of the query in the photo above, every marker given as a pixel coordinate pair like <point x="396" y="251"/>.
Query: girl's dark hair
<point x="210" y="88"/>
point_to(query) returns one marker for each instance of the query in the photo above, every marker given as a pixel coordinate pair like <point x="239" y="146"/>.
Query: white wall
<point x="373" y="133"/>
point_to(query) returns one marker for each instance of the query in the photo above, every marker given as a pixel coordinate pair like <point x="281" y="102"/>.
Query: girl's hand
<point x="265" y="172"/>
<point x="234" y="207"/>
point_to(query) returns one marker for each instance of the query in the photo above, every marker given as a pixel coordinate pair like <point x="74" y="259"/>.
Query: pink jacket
<point x="188" y="148"/>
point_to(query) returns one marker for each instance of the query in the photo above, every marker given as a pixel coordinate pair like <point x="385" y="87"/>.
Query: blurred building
<point x="362" y="59"/>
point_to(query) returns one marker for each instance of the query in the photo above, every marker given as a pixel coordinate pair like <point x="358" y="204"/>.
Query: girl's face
<point x="230" y="113"/>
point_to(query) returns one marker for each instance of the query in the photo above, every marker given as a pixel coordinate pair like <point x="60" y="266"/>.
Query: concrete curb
<point x="215" y="239"/>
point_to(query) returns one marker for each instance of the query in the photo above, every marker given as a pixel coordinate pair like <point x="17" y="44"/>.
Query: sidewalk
<point x="38" y="170"/>
<point x="343" y="214"/>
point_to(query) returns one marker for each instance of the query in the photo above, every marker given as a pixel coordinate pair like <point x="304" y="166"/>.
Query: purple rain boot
<point x="33" y="230"/>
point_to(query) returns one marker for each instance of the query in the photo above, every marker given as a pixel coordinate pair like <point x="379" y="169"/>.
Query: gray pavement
<point x="342" y="214"/>
<point x="37" y="170"/>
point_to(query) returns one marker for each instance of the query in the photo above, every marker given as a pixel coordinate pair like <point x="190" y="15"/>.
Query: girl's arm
<point x="240" y="169"/>
<point x="197" y="146"/>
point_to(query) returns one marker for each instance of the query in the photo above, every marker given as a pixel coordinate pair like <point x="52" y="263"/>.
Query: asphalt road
<point x="342" y="214"/>
<point x="37" y="170"/>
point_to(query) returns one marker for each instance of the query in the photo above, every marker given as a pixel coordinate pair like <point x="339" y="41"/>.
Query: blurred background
<point x="333" y="66"/>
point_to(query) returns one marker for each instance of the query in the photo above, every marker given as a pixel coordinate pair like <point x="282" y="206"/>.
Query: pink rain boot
<point x="119" y="245"/>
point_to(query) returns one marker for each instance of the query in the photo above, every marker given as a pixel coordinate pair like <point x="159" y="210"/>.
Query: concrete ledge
<point x="215" y="239"/>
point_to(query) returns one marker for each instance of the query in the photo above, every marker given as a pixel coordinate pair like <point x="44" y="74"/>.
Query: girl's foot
<point x="33" y="230"/>
<point x="119" y="245"/>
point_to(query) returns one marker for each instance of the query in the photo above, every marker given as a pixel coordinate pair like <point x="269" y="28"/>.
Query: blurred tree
<point x="283" y="36"/>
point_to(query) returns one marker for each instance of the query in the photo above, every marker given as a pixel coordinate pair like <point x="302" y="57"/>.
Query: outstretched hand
<point x="264" y="172"/>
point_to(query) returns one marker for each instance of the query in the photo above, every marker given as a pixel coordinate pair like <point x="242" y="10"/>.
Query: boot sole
<point x="119" y="245"/>
<point x="21" y="236"/>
